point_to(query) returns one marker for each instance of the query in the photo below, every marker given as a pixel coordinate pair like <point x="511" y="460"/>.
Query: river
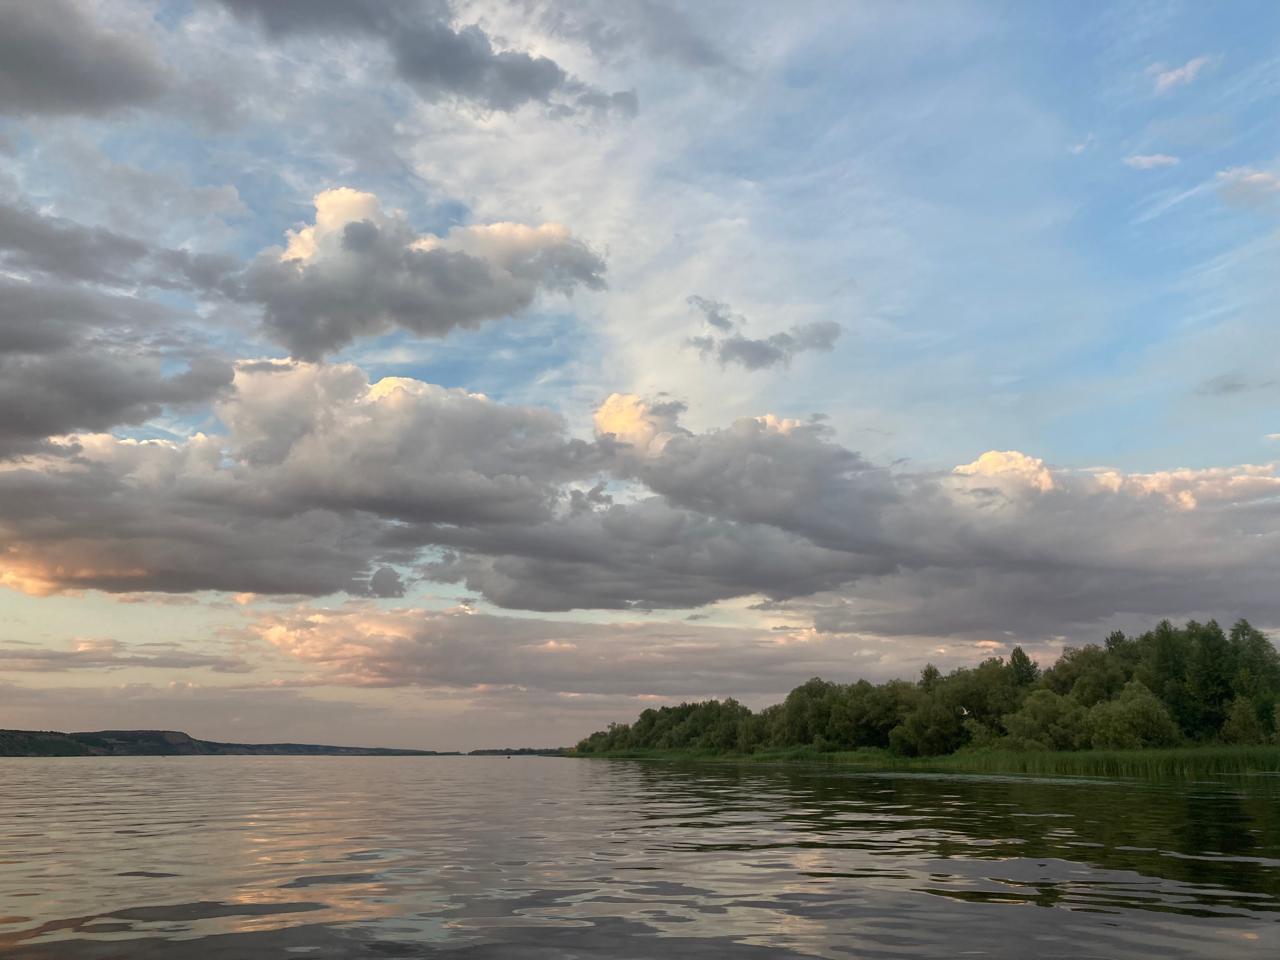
<point x="471" y="857"/>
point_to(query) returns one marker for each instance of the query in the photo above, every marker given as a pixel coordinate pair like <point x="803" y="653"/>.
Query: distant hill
<point x="170" y="743"/>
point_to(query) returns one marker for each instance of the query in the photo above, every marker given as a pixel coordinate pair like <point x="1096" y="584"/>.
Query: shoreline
<point x="1173" y="761"/>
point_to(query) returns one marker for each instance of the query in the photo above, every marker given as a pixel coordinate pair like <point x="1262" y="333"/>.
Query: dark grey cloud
<point x="715" y="313"/>
<point x="54" y="58"/>
<point x="436" y="58"/>
<point x="360" y="271"/>
<point x="642" y="556"/>
<point x="74" y="359"/>
<point x="158" y="517"/>
<point x="727" y="345"/>
<point x="79" y="354"/>
<point x="33" y="242"/>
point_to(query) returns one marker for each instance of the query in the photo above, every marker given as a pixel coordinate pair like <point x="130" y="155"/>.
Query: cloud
<point x="33" y="242"/>
<point x="112" y="655"/>
<point x="1150" y="161"/>
<point x="1010" y="468"/>
<point x="435" y="58"/>
<point x="74" y="359"/>
<point x="1232" y="384"/>
<point x="361" y="271"/>
<point x="728" y="346"/>
<point x="81" y="346"/>
<point x="658" y="31"/>
<point x="358" y="644"/>
<point x="54" y="59"/>
<point x="1078" y="148"/>
<point x="1248" y="187"/>
<point x="322" y="480"/>
<point x="642" y="555"/>
<point x="325" y="482"/>
<point x="1167" y="78"/>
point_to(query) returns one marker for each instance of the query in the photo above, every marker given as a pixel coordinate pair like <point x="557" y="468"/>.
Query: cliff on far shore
<point x="156" y="743"/>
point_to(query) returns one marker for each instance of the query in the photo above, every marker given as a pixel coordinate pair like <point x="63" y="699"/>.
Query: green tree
<point x="1257" y="675"/>
<point x="1209" y="682"/>
<point x="1047" y="721"/>
<point x="931" y="729"/>
<point x="1087" y="674"/>
<point x="1166" y="653"/>
<point x="1024" y="669"/>
<point x="1242" y="724"/>
<point x="929" y="677"/>
<point x="1135" y="719"/>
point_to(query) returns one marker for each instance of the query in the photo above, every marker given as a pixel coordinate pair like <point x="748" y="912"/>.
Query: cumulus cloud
<point x="436" y="58"/>
<point x="359" y="270"/>
<point x="325" y="482"/>
<point x="55" y="58"/>
<point x="1150" y="161"/>
<point x="726" y="344"/>
<point x="1166" y="78"/>
<point x="320" y="481"/>
<point x="765" y="470"/>
<point x="1011" y="469"/>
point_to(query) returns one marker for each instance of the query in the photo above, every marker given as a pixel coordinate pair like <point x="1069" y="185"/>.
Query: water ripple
<point x="207" y="857"/>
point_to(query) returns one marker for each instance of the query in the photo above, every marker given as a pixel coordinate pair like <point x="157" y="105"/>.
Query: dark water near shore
<point x="247" y="857"/>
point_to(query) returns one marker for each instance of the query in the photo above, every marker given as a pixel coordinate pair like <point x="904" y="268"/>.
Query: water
<point x="246" y="857"/>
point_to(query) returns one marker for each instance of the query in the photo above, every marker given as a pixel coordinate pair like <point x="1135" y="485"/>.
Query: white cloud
<point x="1010" y="466"/>
<point x="1150" y="161"/>
<point x="1078" y="148"/>
<point x="1166" y="78"/>
<point x="1248" y="187"/>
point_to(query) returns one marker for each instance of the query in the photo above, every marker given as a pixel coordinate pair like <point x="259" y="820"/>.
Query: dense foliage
<point x="1168" y="686"/>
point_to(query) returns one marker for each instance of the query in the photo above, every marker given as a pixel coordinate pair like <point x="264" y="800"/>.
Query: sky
<point x="476" y="374"/>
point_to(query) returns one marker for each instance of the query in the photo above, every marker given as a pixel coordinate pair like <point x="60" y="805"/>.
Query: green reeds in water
<point x="1149" y="762"/>
<point x="1174" y="762"/>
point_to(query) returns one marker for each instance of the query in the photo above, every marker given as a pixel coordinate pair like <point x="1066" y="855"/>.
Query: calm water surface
<point x="247" y="857"/>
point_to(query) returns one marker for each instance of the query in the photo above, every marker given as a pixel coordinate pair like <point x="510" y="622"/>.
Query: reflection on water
<point x="248" y="857"/>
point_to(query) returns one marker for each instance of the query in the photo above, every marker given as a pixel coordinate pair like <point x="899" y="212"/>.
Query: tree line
<point x="1169" y="686"/>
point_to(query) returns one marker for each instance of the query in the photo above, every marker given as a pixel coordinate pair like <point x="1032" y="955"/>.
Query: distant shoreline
<point x="174" y="743"/>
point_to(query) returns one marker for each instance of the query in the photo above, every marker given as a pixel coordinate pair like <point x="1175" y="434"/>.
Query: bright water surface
<point x="247" y="857"/>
